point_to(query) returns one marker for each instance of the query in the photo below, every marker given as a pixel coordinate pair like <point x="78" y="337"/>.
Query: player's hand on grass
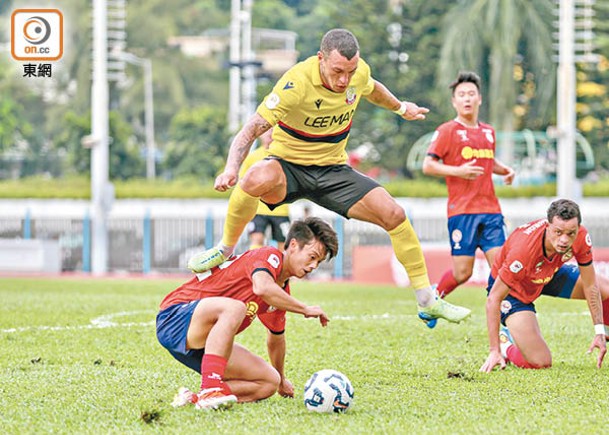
<point x="225" y="181"/>
<point x="470" y="171"/>
<point x="315" y="311"/>
<point x="286" y="389"/>
<point x="494" y="359"/>
<point x="600" y="343"/>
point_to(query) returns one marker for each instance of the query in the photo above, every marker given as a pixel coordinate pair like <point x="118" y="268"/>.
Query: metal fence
<point x="164" y="244"/>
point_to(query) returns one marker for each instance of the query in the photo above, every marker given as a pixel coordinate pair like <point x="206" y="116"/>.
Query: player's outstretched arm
<point x="493" y="318"/>
<point x="593" y="298"/>
<point x="265" y="287"/>
<point x="239" y="149"/>
<point x="276" y="345"/>
<point x="381" y="96"/>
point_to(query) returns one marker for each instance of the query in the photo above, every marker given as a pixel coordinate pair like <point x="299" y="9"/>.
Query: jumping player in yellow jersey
<point x="277" y="219"/>
<point x="312" y="107"/>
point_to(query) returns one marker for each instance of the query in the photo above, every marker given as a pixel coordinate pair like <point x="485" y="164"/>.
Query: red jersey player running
<point x="531" y="263"/>
<point x="463" y="151"/>
<point x="198" y="321"/>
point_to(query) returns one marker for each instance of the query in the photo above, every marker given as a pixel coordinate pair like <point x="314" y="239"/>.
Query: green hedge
<point x="79" y="188"/>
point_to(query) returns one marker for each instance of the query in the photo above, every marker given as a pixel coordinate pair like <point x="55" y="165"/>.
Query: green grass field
<point x="81" y="356"/>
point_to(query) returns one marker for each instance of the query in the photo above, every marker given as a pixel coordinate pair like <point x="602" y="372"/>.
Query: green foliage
<point x="124" y="155"/>
<point x="80" y="356"/>
<point x="198" y="143"/>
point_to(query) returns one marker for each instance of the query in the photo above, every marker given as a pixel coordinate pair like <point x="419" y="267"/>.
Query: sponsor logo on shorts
<point x="516" y="266"/>
<point x="506" y="306"/>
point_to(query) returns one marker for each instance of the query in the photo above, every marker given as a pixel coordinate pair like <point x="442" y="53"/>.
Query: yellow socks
<point x="241" y="209"/>
<point x="408" y="252"/>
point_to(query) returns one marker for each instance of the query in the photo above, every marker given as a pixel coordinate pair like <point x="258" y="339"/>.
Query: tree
<point x="493" y="37"/>
<point x="125" y="160"/>
<point x="198" y="143"/>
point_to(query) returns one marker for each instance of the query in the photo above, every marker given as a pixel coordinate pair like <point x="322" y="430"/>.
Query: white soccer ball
<point x="328" y="391"/>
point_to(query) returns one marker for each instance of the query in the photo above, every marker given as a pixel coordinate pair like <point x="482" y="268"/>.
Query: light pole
<point x="100" y="187"/>
<point x="146" y="65"/>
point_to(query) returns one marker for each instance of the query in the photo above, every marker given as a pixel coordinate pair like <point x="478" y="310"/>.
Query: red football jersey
<point x="233" y="279"/>
<point x="455" y="144"/>
<point x="523" y="265"/>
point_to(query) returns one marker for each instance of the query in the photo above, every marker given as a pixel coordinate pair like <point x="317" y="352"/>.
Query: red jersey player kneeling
<point x="198" y="321"/>
<point x="532" y="263"/>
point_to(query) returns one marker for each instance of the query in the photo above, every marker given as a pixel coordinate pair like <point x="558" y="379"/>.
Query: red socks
<point x="447" y="284"/>
<point x="212" y="372"/>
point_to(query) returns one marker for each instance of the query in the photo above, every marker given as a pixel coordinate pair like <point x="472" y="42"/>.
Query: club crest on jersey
<point x="288" y="85"/>
<point x="567" y="256"/>
<point x="351" y="95"/>
<point x="456" y="237"/>
<point x="270" y="309"/>
<point x="506" y="306"/>
<point x="516" y="266"/>
<point x="251" y="309"/>
<point x="272" y="101"/>
<point x="538" y="266"/>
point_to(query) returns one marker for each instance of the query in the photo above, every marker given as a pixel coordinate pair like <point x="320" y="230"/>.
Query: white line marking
<point x="101" y="322"/>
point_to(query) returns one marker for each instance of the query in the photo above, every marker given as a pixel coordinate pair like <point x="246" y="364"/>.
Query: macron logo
<point x="289" y="85"/>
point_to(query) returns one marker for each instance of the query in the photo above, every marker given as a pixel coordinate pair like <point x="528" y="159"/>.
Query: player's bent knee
<point x="462" y="276"/>
<point x="393" y="217"/>
<point x="269" y="384"/>
<point x="542" y="362"/>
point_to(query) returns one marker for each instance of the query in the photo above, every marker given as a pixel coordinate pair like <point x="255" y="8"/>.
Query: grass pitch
<point x="81" y="356"/>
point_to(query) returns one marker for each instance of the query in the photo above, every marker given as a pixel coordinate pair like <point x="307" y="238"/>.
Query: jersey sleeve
<point x="512" y="270"/>
<point x="368" y="80"/>
<point x="286" y="94"/>
<point x="268" y="259"/>
<point x="440" y="143"/>
<point x="583" y="247"/>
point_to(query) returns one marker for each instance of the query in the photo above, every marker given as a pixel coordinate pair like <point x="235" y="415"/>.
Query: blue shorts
<point x="171" y="328"/>
<point x="561" y="286"/>
<point x="468" y="232"/>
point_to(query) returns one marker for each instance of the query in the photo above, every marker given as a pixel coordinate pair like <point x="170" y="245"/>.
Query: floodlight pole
<point x="566" y="183"/>
<point x="100" y="188"/>
<point x="234" y="101"/>
<point x="146" y="65"/>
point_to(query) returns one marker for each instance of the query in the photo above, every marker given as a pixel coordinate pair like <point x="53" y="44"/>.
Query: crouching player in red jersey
<point x="198" y="321"/>
<point x="531" y="263"/>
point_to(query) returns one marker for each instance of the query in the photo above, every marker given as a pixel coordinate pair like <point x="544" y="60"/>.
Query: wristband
<point x="599" y="329"/>
<point x="402" y="109"/>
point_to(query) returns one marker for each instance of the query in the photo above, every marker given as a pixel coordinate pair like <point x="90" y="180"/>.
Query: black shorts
<point x="279" y="226"/>
<point x="335" y="187"/>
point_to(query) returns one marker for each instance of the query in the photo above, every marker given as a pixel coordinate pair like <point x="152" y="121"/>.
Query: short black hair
<point x="340" y="40"/>
<point x="565" y="209"/>
<point x="304" y="231"/>
<point x="466" y="77"/>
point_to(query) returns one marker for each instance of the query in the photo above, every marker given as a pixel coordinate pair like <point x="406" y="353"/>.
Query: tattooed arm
<point x="239" y="148"/>
<point x="593" y="297"/>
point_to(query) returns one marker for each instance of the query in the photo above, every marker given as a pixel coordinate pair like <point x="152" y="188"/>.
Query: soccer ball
<point x="328" y="391"/>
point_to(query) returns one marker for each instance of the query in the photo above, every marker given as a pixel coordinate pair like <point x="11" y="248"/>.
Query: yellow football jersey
<point x="253" y="157"/>
<point x="313" y="122"/>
